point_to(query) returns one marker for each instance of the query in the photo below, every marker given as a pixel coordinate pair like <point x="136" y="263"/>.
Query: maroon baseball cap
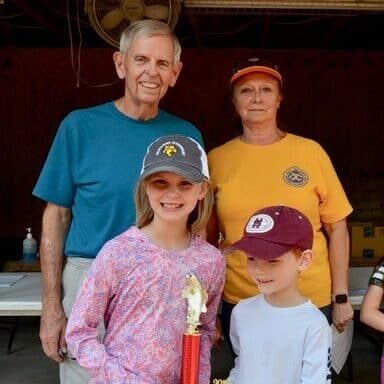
<point x="273" y="231"/>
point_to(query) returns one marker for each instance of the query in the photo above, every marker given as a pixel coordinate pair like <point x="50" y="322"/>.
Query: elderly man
<point x="90" y="173"/>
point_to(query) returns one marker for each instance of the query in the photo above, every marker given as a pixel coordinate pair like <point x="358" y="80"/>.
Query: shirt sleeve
<point x="377" y="277"/>
<point x="334" y="204"/>
<point x="87" y="314"/>
<point x="208" y="327"/>
<point x="317" y="357"/>
<point x="198" y="137"/>
<point x="236" y="347"/>
<point x="56" y="180"/>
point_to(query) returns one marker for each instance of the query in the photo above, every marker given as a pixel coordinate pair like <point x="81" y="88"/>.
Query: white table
<point x="23" y="298"/>
<point x="358" y="284"/>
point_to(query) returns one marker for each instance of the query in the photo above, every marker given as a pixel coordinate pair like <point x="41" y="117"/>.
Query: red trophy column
<point x="196" y="298"/>
<point x="191" y="358"/>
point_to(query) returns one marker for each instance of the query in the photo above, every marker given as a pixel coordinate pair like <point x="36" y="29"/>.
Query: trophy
<point x="196" y="299"/>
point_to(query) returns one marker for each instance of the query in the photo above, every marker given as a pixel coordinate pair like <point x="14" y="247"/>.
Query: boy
<point x="279" y="335"/>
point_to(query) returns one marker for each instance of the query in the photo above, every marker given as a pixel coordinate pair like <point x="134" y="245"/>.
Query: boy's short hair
<point x="273" y="231"/>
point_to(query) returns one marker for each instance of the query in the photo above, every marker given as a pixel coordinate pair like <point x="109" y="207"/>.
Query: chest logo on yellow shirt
<point x="295" y="177"/>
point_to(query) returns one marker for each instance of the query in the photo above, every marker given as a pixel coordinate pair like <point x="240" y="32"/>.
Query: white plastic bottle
<point x="29" y="248"/>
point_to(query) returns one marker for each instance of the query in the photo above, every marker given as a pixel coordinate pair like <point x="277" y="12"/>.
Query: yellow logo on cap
<point x="169" y="150"/>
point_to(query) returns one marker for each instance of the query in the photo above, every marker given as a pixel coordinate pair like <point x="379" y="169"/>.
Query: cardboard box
<point x="367" y="242"/>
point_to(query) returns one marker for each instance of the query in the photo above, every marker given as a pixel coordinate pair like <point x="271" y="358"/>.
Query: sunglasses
<point x="252" y="61"/>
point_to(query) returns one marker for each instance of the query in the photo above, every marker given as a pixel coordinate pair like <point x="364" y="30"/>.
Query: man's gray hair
<point x="148" y="28"/>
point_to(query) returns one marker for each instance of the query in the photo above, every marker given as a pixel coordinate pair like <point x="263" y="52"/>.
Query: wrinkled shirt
<point x="377" y="276"/>
<point x="135" y="288"/>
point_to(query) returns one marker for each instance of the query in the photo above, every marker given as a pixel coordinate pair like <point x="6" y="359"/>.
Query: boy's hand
<point x="218" y="337"/>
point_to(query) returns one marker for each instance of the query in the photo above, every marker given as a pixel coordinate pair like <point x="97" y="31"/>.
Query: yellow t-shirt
<point x="295" y="172"/>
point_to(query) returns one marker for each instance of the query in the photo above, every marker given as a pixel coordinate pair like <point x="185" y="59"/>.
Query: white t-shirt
<point x="279" y="345"/>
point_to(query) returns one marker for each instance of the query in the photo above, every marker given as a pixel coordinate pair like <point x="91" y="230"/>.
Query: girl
<point x="135" y="284"/>
<point x="370" y="313"/>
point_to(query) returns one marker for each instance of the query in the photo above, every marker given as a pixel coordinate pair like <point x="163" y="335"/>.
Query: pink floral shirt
<point x="135" y="287"/>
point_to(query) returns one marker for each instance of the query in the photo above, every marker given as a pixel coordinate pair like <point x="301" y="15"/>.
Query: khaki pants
<point x="73" y="276"/>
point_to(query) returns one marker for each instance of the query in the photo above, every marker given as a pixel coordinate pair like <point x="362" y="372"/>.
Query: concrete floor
<point x="28" y="365"/>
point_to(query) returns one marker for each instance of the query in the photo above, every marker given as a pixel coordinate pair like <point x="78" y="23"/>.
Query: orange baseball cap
<point x="255" y="65"/>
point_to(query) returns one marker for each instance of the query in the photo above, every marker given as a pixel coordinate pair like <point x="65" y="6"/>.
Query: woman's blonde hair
<point x="197" y="220"/>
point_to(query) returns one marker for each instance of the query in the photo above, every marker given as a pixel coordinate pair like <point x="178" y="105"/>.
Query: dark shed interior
<point x="332" y="60"/>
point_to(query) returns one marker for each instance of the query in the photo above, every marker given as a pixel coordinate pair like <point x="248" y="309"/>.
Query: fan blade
<point x="112" y="19"/>
<point x="133" y="19"/>
<point x="157" y="12"/>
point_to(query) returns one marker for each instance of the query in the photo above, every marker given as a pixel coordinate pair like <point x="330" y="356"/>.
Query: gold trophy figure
<point x="196" y="300"/>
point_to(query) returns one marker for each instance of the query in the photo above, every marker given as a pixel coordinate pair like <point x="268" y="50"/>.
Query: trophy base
<point x="190" y="359"/>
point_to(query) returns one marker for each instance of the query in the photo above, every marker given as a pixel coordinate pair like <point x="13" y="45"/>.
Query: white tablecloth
<point x="23" y="298"/>
<point x="358" y="284"/>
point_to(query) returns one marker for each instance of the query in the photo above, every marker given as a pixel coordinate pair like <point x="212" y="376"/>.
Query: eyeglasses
<point x="253" y="61"/>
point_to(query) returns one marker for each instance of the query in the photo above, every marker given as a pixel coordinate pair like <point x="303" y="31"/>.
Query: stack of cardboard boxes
<point x="366" y="223"/>
<point x="367" y="244"/>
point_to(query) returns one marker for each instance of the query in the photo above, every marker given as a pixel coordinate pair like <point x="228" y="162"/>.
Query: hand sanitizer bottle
<point x="29" y="248"/>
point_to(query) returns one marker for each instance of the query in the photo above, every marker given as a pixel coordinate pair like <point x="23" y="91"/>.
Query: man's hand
<point x="53" y="321"/>
<point x="52" y="332"/>
<point x="341" y="314"/>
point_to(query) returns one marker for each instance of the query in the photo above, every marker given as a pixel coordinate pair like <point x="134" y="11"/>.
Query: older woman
<point x="267" y="166"/>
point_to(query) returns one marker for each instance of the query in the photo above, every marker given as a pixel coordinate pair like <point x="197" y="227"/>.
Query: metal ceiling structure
<point x="273" y="24"/>
<point x="356" y="5"/>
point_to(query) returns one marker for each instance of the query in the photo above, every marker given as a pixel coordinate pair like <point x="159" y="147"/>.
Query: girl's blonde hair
<point x="197" y="220"/>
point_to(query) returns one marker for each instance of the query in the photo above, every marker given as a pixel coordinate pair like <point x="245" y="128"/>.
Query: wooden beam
<point x="356" y="5"/>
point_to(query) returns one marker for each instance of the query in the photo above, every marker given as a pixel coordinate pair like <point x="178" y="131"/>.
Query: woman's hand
<point x="341" y="314"/>
<point x="338" y="248"/>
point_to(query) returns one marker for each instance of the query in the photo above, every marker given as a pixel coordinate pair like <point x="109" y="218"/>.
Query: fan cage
<point x="97" y="9"/>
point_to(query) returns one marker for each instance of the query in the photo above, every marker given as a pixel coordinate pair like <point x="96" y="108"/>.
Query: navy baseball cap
<point x="177" y="154"/>
<point x="273" y="231"/>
